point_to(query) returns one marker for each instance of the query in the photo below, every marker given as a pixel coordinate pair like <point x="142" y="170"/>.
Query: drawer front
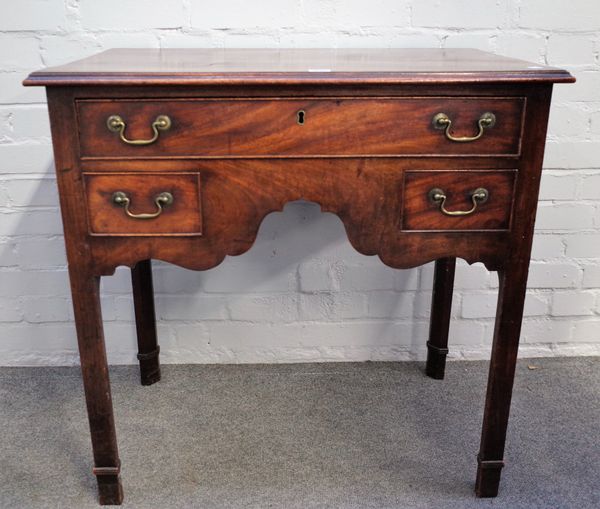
<point x="143" y="204"/>
<point x="458" y="200"/>
<point x="298" y="127"/>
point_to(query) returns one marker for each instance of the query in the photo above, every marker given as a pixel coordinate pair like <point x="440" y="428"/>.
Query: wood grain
<point x="420" y="213"/>
<point x="182" y="217"/>
<point x="269" y="127"/>
<point x="130" y="67"/>
<point x="367" y="153"/>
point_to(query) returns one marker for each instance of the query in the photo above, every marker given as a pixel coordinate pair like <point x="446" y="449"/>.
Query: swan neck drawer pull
<point x="442" y="121"/>
<point x="480" y="195"/>
<point x="116" y="124"/>
<point x="161" y="200"/>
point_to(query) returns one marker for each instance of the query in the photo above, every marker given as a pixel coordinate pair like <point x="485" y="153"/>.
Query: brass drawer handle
<point x="162" y="200"/>
<point x="442" y="121"/>
<point x="116" y="124"/>
<point x="480" y="195"/>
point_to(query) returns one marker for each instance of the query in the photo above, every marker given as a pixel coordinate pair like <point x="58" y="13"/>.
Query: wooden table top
<point x="293" y="66"/>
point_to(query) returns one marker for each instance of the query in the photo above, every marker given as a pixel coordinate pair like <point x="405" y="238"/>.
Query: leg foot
<point x="149" y="367"/>
<point x="110" y="489"/>
<point x="436" y="361"/>
<point x="145" y="321"/>
<point x="441" y="307"/>
<point x="488" y="478"/>
<point x="511" y="299"/>
<point x="94" y="368"/>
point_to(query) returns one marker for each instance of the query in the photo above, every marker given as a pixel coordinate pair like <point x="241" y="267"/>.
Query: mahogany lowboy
<point x="178" y="155"/>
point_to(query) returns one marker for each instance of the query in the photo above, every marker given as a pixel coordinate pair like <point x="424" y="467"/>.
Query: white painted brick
<point x="422" y="304"/>
<point x="568" y="119"/>
<point x="119" y="282"/>
<point x="32" y="193"/>
<point x="357" y="333"/>
<point x="564" y="216"/>
<point x="591" y="276"/>
<point x="587" y="331"/>
<point x="466" y="333"/>
<point x="586" y="88"/>
<point x="33" y="15"/>
<point x="405" y="279"/>
<point x="522" y="45"/>
<point x="122" y="39"/>
<point x="3" y="197"/>
<point x="19" y="123"/>
<point x="9" y="255"/>
<point x="415" y="40"/>
<point x="48" y="309"/>
<point x="553" y="275"/>
<point x="590" y="188"/>
<point x="31" y="223"/>
<point x="352" y="13"/>
<point x="570" y="49"/>
<point x="54" y="283"/>
<point x="10" y="310"/>
<point x="61" y="49"/>
<point x="349" y="307"/>
<point x="244" y="39"/>
<point x="235" y="14"/>
<point x="573" y="303"/>
<point x="458" y="14"/>
<point x="13" y="92"/>
<point x="546" y="331"/>
<point x="41" y="253"/>
<point x="483" y="41"/>
<point x="547" y="246"/>
<point x="202" y="39"/>
<point x="364" y="278"/>
<point x="252" y="277"/>
<point x="483" y="305"/>
<point x="242" y="335"/>
<point x="26" y="158"/>
<point x="37" y="339"/>
<point x="184" y="308"/>
<point x="583" y="245"/>
<point x="470" y="277"/>
<point x="390" y="305"/>
<point x="263" y="308"/>
<point x="572" y="154"/>
<point x="315" y="276"/>
<point x="595" y="123"/>
<point x="574" y="15"/>
<point x="28" y="56"/>
<point x="134" y="14"/>
<point x="190" y="337"/>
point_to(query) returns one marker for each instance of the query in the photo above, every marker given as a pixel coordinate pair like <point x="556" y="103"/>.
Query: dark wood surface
<point x="182" y="217"/>
<point x="421" y="213"/>
<point x="367" y="152"/>
<point x="221" y="66"/>
<point x="441" y="309"/>
<point x="145" y="321"/>
<point x="269" y="127"/>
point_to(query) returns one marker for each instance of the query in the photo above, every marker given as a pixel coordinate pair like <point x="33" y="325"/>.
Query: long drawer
<point x="166" y="128"/>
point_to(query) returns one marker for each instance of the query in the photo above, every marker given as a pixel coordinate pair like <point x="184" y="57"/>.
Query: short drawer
<point x="297" y="127"/>
<point x="458" y="200"/>
<point x="143" y="204"/>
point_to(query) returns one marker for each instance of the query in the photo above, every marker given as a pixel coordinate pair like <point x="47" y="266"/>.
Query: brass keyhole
<point x="301" y="117"/>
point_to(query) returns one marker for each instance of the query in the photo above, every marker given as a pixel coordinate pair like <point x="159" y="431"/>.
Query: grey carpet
<point x="369" y="435"/>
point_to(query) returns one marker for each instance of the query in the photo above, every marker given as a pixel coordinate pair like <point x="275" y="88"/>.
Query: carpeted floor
<point x="372" y="435"/>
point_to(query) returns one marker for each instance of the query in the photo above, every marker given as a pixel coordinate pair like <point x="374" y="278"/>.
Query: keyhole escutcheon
<point x="301" y="117"/>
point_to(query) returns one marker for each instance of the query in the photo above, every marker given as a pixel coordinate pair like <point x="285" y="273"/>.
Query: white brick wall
<point x="301" y="293"/>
